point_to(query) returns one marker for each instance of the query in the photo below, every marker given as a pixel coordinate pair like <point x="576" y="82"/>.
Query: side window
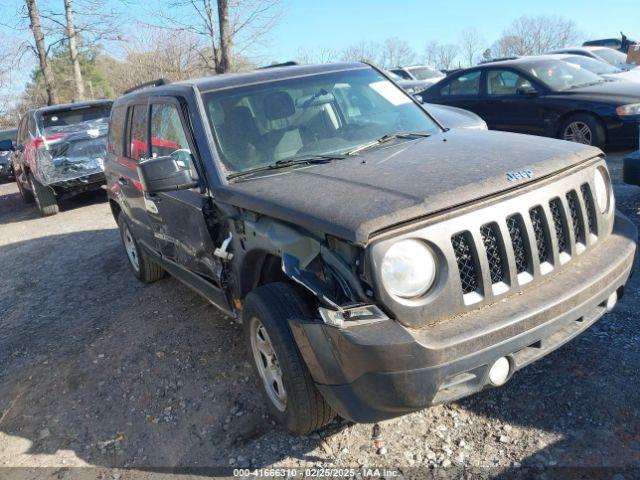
<point x="505" y="83"/>
<point x="137" y="148"/>
<point x="464" y="85"/>
<point x="116" y="130"/>
<point x="168" y="137"/>
<point x="23" y="131"/>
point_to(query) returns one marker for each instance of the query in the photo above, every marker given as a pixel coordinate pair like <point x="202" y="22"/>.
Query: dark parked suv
<point x="59" y="152"/>
<point x="378" y="263"/>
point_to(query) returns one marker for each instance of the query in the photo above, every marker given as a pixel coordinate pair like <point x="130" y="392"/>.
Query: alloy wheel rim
<point x="130" y="247"/>
<point x="578" y="132"/>
<point x="268" y="365"/>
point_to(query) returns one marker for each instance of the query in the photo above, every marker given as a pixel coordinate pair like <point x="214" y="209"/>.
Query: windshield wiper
<point x="288" y="162"/>
<point x="386" y="138"/>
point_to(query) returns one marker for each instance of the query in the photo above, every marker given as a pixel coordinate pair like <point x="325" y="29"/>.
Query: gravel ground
<point x="97" y="369"/>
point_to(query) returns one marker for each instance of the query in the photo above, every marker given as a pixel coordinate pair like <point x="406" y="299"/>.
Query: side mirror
<point x="165" y="174"/>
<point x="528" y="91"/>
<point x="7" y="145"/>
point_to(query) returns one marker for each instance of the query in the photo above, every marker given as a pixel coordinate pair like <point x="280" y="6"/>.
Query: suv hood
<point x="356" y="197"/>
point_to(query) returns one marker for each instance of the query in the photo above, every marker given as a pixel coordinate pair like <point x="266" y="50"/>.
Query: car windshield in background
<point x="425" y="73"/>
<point x="614" y="57"/>
<point x="594" y="66"/>
<point x="63" y="118"/>
<point x="560" y="75"/>
<point x="319" y="115"/>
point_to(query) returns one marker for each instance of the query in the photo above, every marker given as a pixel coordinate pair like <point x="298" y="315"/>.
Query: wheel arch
<point x="115" y="209"/>
<point x="565" y="116"/>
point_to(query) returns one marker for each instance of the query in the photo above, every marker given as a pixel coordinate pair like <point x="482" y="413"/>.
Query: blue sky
<point x="337" y="23"/>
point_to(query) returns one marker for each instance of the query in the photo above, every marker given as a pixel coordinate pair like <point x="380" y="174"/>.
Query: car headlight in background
<point x="408" y="268"/>
<point x="601" y="185"/>
<point x="631" y="109"/>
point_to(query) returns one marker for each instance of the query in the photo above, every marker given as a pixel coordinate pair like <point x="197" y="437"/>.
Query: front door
<point x="512" y="103"/>
<point x="178" y="217"/>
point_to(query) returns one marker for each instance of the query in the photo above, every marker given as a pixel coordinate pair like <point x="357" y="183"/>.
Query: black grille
<point x="588" y="202"/>
<point x="517" y="232"/>
<point x="558" y="222"/>
<point x="539" y="229"/>
<point x="462" y="246"/>
<point x="490" y="234"/>
<point x="576" y="218"/>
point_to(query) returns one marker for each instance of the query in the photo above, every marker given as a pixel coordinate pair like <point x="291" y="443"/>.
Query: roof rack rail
<point x="152" y="83"/>
<point x="290" y="63"/>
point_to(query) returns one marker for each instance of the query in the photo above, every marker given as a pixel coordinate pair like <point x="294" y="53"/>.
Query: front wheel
<point x="583" y="128"/>
<point x="292" y="397"/>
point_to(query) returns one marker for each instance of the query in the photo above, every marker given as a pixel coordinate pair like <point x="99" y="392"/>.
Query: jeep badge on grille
<point x="519" y="175"/>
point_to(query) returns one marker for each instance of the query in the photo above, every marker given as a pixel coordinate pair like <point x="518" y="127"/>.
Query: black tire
<point x="27" y="196"/>
<point x="144" y="267"/>
<point x="44" y="197"/>
<point x="583" y="128"/>
<point x="272" y="305"/>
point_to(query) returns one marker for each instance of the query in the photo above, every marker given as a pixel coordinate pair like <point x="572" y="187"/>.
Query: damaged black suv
<point x="59" y="152"/>
<point x="378" y="262"/>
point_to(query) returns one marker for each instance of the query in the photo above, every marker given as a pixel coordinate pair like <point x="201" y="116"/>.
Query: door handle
<point x="122" y="181"/>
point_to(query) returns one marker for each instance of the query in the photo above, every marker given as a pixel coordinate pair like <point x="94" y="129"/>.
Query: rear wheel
<point x="44" y="196"/>
<point x="583" y="128"/>
<point x="144" y="267"/>
<point x="26" y="195"/>
<point x="292" y="397"/>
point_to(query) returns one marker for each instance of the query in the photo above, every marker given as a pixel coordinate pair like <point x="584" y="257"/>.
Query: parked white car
<point x="598" y="67"/>
<point x="422" y="73"/>
<point x="604" y="54"/>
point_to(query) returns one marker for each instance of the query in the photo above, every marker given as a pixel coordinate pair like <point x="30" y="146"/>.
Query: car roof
<point x="514" y="62"/>
<point x="232" y="80"/>
<point x="586" y="48"/>
<point x="71" y="106"/>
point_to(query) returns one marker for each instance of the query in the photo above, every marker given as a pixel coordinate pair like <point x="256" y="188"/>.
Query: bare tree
<point x="471" y="44"/>
<point x="446" y="56"/>
<point x="317" y="55"/>
<point x="73" y="50"/>
<point x="396" y="52"/>
<point x="231" y="27"/>
<point x="156" y="53"/>
<point x="529" y="35"/>
<point x="361" y="52"/>
<point x="36" y="28"/>
<point x="431" y="53"/>
<point x="225" y="37"/>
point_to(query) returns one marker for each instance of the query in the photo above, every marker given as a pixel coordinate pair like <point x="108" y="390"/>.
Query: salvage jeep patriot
<point x="379" y="263"/>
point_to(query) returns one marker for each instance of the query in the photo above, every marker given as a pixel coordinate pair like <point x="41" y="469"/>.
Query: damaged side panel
<point x="304" y="259"/>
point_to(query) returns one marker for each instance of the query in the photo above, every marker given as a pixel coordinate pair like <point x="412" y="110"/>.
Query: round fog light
<point x="499" y="371"/>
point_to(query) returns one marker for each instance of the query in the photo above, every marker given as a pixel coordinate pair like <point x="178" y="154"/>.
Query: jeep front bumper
<point x="382" y="370"/>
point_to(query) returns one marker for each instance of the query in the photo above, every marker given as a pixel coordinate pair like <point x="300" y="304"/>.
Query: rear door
<point x="124" y="177"/>
<point x="462" y="91"/>
<point x="178" y="217"/>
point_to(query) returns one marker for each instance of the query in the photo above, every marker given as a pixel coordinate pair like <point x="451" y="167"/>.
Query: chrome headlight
<point x="631" y="109"/>
<point x="602" y="186"/>
<point x="408" y="269"/>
